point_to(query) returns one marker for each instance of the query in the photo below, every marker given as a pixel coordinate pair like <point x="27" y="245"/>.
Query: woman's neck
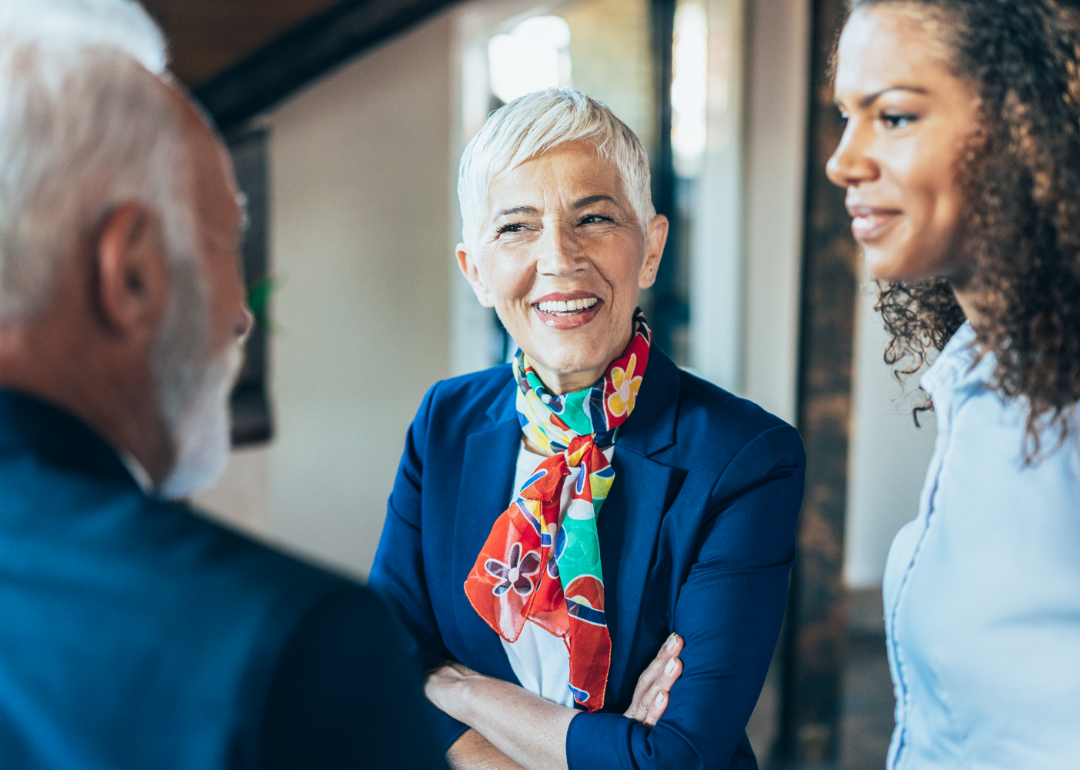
<point x="965" y="297"/>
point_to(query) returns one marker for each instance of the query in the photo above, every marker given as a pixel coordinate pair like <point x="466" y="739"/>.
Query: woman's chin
<point x="886" y="264"/>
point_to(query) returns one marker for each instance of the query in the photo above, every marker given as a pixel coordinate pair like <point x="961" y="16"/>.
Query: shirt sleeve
<point x="344" y="695"/>
<point x="398" y="571"/>
<point x="729" y="611"/>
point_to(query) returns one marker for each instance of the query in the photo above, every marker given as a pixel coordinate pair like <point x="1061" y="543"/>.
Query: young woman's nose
<point x="850" y="165"/>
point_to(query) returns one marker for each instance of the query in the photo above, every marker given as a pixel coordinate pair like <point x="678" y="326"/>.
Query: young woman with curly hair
<point x="961" y="162"/>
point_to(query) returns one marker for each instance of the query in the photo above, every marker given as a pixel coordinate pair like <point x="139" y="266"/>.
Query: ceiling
<point x="206" y="36"/>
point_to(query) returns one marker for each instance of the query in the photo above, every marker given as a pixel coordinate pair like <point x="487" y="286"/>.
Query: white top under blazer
<point x="982" y="589"/>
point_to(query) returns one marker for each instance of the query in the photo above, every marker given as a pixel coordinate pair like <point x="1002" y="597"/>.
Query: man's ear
<point x="654" y="251"/>
<point x="132" y="271"/>
<point x="473" y="276"/>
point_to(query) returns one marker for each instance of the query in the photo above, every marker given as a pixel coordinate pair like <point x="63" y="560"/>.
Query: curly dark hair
<point x="1021" y="178"/>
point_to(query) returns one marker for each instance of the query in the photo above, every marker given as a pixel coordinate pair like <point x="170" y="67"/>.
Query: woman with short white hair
<point x="556" y="521"/>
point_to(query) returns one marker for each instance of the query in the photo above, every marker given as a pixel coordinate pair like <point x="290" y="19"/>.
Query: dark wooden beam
<point x="207" y="37"/>
<point x="668" y="306"/>
<point x="306" y="52"/>
<point x="815" y="637"/>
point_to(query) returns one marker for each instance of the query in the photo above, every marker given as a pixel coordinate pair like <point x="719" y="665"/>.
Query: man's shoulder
<point x="194" y="549"/>
<point x="162" y="589"/>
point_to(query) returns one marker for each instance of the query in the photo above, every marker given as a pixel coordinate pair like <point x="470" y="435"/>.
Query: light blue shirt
<point x="982" y="590"/>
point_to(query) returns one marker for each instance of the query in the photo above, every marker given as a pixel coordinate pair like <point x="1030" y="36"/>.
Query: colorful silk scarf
<point x="530" y="568"/>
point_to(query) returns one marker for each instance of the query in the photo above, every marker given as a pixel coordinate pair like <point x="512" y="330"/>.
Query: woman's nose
<point x="561" y="254"/>
<point x="849" y="164"/>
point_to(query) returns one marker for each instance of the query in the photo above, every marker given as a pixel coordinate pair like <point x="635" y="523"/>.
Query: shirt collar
<point x="958" y="366"/>
<point x="30" y="424"/>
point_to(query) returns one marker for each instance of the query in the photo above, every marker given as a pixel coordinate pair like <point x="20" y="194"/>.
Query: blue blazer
<point x="135" y="633"/>
<point x="697" y="537"/>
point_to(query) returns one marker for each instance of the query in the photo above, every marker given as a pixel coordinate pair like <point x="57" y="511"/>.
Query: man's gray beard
<point x="193" y="390"/>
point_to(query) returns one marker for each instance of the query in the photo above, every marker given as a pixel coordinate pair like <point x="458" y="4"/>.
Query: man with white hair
<point x="133" y="632"/>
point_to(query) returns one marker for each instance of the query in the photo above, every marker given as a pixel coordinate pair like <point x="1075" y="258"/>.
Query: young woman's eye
<point x="897" y="120"/>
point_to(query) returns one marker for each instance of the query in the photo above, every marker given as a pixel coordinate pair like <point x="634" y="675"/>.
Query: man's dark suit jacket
<point x="136" y="634"/>
<point x="697" y="536"/>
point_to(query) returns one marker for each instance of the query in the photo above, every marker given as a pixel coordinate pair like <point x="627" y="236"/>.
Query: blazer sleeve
<point x="398" y="571"/>
<point x="729" y="611"/>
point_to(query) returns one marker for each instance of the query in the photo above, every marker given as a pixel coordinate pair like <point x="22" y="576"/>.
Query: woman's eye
<point x="843" y="118"/>
<point x="589" y="219"/>
<point x="515" y="227"/>
<point x="897" y="120"/>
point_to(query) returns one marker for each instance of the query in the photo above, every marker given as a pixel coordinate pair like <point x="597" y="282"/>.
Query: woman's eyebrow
<point x="591" y="200"/>
<point x="869" y="99"/>
<point x="516" y="210"/>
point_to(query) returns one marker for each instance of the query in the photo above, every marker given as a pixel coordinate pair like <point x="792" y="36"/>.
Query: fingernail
<point x="671" y="641"/>
<point x="660" y="698"/>
<point x="670" y="666"/>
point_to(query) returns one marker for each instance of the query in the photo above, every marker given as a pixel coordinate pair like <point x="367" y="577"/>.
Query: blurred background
<point x="346" y="120"/>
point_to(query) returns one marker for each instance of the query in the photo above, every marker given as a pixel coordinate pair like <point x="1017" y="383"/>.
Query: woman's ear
<point x="132" y="271"/>
<point x="473" y="275"/>
<point x="654" y="251"/>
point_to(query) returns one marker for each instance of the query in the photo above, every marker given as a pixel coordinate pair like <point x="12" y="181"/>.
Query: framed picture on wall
<point x="252" y="421"/>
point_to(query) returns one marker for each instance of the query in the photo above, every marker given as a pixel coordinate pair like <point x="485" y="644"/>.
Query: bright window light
<point x="532" y="57"/>
<point x="689" y="88"/>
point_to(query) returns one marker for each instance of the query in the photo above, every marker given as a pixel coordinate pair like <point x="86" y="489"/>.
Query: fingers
<point x="670" y="649"/>
<point x="659" y="695"/>
<point x="651" y="694"/>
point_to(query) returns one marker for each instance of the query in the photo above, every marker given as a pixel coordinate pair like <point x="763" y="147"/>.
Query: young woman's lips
<point x="554" y="317"/>
<point x="868" y="224"/>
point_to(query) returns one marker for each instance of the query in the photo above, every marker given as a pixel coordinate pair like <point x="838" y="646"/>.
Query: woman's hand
<point x="652" y="694"/>
<point x="511" y="723"/>
<point x="445" y="686"/>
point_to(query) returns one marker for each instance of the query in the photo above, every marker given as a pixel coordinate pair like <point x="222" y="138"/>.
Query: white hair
<point x="87" y="123"/>
<point x="66" y="24"/>
<point x="84" y="126"/>
<point x="537" y="123"/>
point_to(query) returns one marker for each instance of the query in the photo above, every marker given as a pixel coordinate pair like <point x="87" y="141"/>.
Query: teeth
<point x="573" y="306"/>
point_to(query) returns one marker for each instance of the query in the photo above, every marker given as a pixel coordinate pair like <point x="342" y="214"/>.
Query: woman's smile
<point x="869" y="223"/>
<point x="571" y="310"/>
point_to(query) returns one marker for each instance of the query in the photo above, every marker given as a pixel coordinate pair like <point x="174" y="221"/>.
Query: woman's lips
<point x="559" y="313"/>
<point x="867" y="223"/>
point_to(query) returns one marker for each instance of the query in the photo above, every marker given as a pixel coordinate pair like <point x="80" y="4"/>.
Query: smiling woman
<point x="589" y="546"/>
<point x="961" y="163"/>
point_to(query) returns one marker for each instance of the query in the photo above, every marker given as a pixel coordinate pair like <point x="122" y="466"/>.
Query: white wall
<point x="778" y="63"/>
<point x="888" y="454"/>
<point x="717" y="256"/>
<point x="360" y="205"/>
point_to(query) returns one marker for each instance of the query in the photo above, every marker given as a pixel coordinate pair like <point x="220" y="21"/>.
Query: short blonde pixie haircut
<point x="537" y="123"/>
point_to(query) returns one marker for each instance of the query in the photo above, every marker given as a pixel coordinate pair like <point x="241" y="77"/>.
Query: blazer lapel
<point x="487" y="479"/>
<point x="630" y="520"/>
<point x="629" y="528"/>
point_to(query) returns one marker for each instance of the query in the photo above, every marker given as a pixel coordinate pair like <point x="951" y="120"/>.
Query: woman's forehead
<point x="568" y="169"/>
<point x="888" y="45"/>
